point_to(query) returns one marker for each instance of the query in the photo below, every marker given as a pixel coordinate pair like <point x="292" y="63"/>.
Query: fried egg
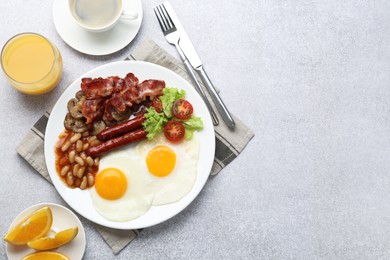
<point x="171" y="167"/>
<point x="122" y="190"/>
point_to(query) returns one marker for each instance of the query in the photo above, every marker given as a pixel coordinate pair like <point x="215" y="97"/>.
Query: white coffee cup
<point x="99" y="15"/>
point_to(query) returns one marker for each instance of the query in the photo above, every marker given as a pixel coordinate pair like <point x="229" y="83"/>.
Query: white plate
<point x="63" y="218"/>
<point x="80" y="200"/>
<point x="96" y="43"/>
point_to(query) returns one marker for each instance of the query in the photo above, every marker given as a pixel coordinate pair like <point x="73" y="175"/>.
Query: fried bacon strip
<point x="93" y="109"/>
<point x="113" y="97"/>
<point x="97" y="88"/>
<point x="132" y="93"/>
<point x="125" y="93"/>
<point x="150" y="88"/>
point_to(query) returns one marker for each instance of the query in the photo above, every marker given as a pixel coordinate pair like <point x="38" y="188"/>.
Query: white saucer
<point x="63" y="219"/>
<point x="90" y="43"/>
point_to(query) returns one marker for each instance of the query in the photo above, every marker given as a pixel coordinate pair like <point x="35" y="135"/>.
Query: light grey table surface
<point x="311" y="78"/>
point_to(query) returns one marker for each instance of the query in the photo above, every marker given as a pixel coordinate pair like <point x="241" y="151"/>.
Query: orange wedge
<point x="32" y="227"/>
<point x="46" y="256"/>
<point x="60" y="239"/>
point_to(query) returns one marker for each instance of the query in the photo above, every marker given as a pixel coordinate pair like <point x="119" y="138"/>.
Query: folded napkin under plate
<point x="229" y="143"/>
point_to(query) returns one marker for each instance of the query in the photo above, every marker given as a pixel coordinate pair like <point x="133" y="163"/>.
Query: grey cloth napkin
<point x="229" y="143"/>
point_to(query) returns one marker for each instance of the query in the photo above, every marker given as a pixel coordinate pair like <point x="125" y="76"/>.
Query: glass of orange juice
<point x="31" y="63"/>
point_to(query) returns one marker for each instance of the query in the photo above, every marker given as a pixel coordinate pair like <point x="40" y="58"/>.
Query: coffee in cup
<point x="99" y="15"/>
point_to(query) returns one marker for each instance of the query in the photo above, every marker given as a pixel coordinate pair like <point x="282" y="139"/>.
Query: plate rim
<point x="206" y="119"/>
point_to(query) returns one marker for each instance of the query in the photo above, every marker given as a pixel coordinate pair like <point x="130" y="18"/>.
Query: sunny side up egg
<point x="171" y="167"/>
<point x="122" y="190"/>
<point x="151" y="173"/>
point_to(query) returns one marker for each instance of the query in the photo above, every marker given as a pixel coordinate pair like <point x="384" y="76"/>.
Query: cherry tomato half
<point x="182" y="109"/>
<point x="174" y="131"/>
<point x="157" y="104"/>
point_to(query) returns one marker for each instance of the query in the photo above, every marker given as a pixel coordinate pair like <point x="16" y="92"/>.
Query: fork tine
<point x="169" y="18"/>
<point x="159" y="19"/>
<point x="164" y="20"/>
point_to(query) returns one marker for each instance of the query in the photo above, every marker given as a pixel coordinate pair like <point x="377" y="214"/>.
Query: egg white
<point x="179" y="182"/>
<point x="138" y="197"/>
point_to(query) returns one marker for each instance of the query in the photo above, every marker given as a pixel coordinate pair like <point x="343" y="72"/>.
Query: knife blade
<point x="185" y="42"/>
<point x="193" y="57"/>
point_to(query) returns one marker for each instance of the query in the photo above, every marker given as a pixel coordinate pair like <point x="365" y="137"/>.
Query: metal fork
<point x="173" y="37"/>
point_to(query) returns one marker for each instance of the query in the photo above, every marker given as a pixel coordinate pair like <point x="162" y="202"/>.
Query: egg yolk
<point x="111" y="183"/>
<point x="161" y="160"/>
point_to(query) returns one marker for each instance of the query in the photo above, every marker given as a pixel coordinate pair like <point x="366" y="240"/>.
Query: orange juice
<point x="32" y="64"/>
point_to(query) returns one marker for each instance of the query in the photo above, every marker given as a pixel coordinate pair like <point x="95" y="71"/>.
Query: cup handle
<point x="130" y="15"/>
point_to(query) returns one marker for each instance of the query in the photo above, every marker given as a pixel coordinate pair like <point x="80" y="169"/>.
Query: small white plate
<point x="80" y="200"/>
<point x="63" y="218"/>
<point x="91" y="43"/>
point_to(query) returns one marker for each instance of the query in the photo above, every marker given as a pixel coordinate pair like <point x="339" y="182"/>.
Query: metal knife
<point x="192" y="56"/>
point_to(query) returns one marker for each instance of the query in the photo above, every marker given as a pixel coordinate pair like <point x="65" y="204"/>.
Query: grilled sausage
<point x="120" y="129"/>
<point x="130" y="137"/>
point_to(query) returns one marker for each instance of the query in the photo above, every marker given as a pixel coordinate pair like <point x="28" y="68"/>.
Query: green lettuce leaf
<point x="188" y="134"/>
<point x="194" y="123"/>
<point x="154" y="122"/>
<point x="170" y="95"/>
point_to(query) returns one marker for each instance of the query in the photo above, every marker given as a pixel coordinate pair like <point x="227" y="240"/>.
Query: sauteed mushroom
<point x="75" y="125"/>
<point x="75" y="108"/>
<point x="97" y="127"/>
<point x="79" y="95"/>
<point x="120" y="116"/>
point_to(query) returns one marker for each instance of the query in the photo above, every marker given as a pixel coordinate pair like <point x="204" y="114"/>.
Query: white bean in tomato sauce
<point x="75" y="168"/>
